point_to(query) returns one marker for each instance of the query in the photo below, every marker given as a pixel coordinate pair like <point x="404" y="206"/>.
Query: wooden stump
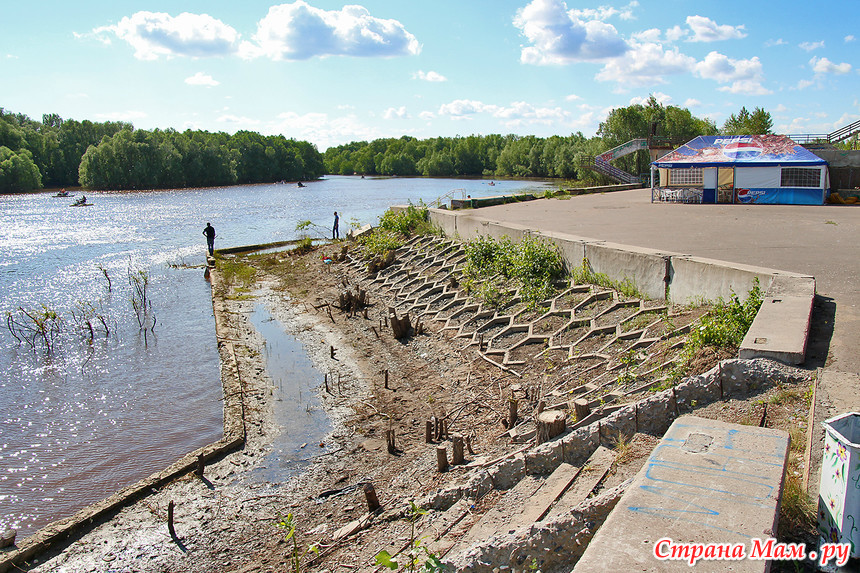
<point x="582" y="409"/>
<point x="170" y="528"/>
<point x="441" y="458"/>
<point x="512" y="412"/>
<point x="400" y="327"/>
<point x="428" y="432"/>
<point x="550" y="423"/>
<point x="457" y="456"/>
<point x="370" y="496"/>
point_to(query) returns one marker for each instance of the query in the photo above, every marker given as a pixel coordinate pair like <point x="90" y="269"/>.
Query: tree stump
<point x="400" y="327"/>
<point x="457" y="456"/>
<point x="550" y="423"/>
<point x="512" y="412"/>
<point x="428" y="431"/>
<point x="370" y="496"/>
<point x="441" y="458"/>
<point x="582" y="409"/>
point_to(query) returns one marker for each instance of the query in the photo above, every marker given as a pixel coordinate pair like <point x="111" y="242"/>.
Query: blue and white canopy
<point x="748" y="150"/>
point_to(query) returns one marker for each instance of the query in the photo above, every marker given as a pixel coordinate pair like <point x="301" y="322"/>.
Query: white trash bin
<point x="839" y="493"/>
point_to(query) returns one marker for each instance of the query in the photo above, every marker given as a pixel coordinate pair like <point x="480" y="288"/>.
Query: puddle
<point x="296" y="408"/>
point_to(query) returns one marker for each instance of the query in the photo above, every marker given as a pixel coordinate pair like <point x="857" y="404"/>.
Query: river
<point x="92" y="416"/>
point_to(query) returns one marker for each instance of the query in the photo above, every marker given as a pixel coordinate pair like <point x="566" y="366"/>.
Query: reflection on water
<point x="93" y="417"/>
<point x="296" y="408"/>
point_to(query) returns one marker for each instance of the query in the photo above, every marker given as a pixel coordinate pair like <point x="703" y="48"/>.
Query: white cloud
<point x="201" y="79"/>
<point x="809" y="46"/>
<point x="322" y="130"/>
<point x="606" y="12"/>
<point x="777" y="42"/>
<point x="427" y="115"/>
<point x="299" y="31"/>
<point x="242" y="121"/>
<point x="825" y="66"/>
<point x="572" y="97"/>
<point x="849" y="38"/>
<point x="559" y="36"/>
<point x="674" y="33"/>
<point x="396" y="113"/>
<point x="745" y="75"/>
<point x="646" y="64"/>
<point x="514" y="115"/>
<point x="692" y="102"/>
<point x="706" y="30"/>
<point x="803" y="84"/>
<point x="121" y="116"/>
<point x="461" y="108"/>
<point x="661" y="98"/>
<point x="155" y="34"/>
<point x="430" y="76"/>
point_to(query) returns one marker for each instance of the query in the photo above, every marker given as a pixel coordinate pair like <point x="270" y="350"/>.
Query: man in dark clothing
<point x="335" y="234"/>
<point x="209" y="231"/>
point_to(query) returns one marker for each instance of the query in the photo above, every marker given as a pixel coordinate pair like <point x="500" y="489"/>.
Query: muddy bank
<point x="229" y="521"/>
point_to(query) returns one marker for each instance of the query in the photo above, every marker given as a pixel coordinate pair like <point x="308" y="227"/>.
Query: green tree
<point x="18" y="172"/>
<point x="758" y="122"/>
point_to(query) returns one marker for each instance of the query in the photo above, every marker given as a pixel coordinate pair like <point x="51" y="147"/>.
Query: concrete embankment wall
<point x="779" y="332"/>
<point x="65" y="530"/>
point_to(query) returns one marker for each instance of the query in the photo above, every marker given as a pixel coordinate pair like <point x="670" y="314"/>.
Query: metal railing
<point x="439" y="201"/>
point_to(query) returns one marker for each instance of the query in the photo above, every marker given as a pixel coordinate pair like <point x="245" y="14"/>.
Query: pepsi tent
<point x="740" y="169"/>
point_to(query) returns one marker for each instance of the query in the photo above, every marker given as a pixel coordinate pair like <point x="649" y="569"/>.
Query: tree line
<point x="557" y="156"/>
<point x="113" y="155"/>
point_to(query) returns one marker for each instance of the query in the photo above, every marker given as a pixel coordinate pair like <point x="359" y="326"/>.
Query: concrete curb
<point x="234" y="437"/>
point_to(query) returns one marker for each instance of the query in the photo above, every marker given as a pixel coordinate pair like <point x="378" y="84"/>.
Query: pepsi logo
<point x="744" y="196"/>
<point x="741" y="150"/>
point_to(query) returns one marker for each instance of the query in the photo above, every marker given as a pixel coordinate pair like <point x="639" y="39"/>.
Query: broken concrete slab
<point x="708" y="482"/>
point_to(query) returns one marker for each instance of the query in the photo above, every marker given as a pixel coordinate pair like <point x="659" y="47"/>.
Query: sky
<point x="332" y="73"/>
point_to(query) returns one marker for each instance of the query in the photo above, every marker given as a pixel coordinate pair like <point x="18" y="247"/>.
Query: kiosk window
<point x="686" y="177"/>
<point x="800" y="177"/>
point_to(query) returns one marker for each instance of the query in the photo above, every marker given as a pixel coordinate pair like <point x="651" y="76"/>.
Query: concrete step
<point x="592" y="474"/>
<point x="498" y="518"/>
<point x="706" y="482"/>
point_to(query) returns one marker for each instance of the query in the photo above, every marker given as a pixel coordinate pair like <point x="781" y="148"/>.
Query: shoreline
<point x="227" y="510"/>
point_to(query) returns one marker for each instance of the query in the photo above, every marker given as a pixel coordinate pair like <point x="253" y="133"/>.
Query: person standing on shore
<point x="209" y="231"/>
<point x="335" y="234"/>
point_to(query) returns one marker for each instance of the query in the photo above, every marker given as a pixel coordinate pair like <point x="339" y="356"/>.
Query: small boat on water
<point x="63" y="194"/>
<point x="82" y="202"/>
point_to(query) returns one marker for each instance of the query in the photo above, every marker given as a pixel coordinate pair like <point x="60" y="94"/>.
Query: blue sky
<point x="331" y="73"/>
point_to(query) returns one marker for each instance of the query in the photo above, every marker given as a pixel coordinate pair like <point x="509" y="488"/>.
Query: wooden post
<point x="370" y="496"/>
<point x="469" y="445"/>
<point x="428" y="431"/>
<point x="331" y="348"/>
<point x="386" y="379"/>
<point x="457" y="452"/>
<point x="325" y="377"/>
<point x="512" y="412"/>
<point x="540" y="406"/>
<point x="550" y="423"/>
<point x="201" y="464"/>
<point x="389" y="435"/>
<point x="437" y="428"/>
<point x="582" y="409"/>
<point x="170" y="519"/>
<point x="441" y="458"/>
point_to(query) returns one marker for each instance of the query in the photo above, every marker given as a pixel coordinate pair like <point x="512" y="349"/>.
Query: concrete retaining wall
<point x="681" y="278"/>
<point x="652" y="415"/>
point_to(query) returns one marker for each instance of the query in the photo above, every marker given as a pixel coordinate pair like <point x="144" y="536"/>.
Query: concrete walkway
<point x="821" y="241"/>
